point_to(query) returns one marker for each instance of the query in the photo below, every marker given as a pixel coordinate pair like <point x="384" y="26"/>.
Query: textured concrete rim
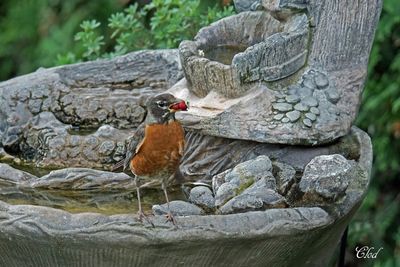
<point x="35" y="222"/>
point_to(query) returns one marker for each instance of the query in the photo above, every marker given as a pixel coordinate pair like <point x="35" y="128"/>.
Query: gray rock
<point x="106" y="148"/>
<point x="307" y="122"/>
<point x="245" y="5"/>
<point x="301" y="107"/>
<point x="242" y="203"/>
<point x="105" y="131"/>
<point x="177" y="208"/>
<point x="250" y="170"/>
<point x="321" y="81"/>
<point x="305" y="92"/>
<point x="256" y="198"/>
<point x="314" y="110"/>
<point x="35" y="105"/>
<point x="293" y="115"/>
<point x="310" y="101"/>
<point x="282" y="107"/>
<point x="225" y="192"/>
<point x="278" y="117"/>
<point x="285" y="176"/>
<point x="91" y="141"/>
<point x="325" y="178"/>
<point x="14" y="176"/>
<point x="84" y="179"/>
<point x="241" y="177"/>
<point x="202" y="196"/>
<point x="293" y="89"/>
<point x="218" y="180"/>
<point x="285" y="120"/>
<point x="311" y="116"/>
<point x="292" y="99"/>
<point x="267" y="182"/>
<point x="256" y="6"/>
<point x="12" y="136"/>
<point x="308" y="82"/>
<point x="332" y="95"/>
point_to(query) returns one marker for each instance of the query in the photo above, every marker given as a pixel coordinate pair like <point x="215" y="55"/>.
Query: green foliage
<point x="91" y="41"/>
<point x="377" y="223"/>
<point x="34" y="32"/>
<point x="159" y="24"/>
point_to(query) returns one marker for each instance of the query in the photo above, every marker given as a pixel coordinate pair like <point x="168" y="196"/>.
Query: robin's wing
<point x="135" y="141"/>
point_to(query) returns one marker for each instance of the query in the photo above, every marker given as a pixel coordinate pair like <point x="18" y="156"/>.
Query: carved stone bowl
<point x="306" y="235"/>
<point x="230" y="55"/>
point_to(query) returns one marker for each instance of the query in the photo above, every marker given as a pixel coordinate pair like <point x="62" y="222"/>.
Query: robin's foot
<point x="142" y="216"/>
<point x="170" y="218"/>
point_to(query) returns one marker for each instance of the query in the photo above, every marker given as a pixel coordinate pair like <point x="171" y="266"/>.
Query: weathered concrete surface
<point x="69" y="115"/>
<point x="314" y="104"/>
<point x="273" y="50"/>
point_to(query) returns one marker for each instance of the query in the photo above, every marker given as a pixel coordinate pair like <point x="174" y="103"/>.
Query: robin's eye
<point x="162" y="104"/>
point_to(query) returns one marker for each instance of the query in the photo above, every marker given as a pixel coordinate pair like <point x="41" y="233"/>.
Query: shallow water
<point x="224" y="53"/>
<point x="106" y="201"/>
<point x="85" y="201"/>
<point x="76" y="130"/>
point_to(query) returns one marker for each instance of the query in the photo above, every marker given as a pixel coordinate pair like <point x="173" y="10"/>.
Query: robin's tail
<point x="118" y="165"/>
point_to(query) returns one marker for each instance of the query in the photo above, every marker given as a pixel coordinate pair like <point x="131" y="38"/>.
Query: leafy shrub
<point x="159" y="24"/>
<point x="34" y="32"/>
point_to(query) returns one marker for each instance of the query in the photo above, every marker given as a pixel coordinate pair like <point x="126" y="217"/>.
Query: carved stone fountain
<point x="277" y="75"/>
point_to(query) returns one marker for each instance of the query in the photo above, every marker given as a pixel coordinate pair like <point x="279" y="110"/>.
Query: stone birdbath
<point x="273" y="170"/>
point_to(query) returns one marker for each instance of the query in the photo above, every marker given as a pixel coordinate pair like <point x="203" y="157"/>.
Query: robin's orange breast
<point x="160" y="151"/>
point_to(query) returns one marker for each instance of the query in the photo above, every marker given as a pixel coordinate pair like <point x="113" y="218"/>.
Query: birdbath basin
<point x="233" y="54"/>
<point x="304" y="224"/>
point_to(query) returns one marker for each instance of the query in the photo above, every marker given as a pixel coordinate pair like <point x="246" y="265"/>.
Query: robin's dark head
<point x="161" y="108"/>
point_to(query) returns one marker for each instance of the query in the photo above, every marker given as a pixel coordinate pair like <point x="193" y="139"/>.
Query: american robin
<point x="156" y="148"/>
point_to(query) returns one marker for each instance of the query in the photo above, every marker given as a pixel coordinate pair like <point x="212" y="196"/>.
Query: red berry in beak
<point x="179" y="106"/>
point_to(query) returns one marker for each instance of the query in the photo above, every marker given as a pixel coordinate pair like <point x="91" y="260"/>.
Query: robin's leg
<point x="140" y="211"/>
<point x="169" y="215"/>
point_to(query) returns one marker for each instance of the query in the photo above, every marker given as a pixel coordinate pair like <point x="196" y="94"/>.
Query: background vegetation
<point x="44" y="33"/>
